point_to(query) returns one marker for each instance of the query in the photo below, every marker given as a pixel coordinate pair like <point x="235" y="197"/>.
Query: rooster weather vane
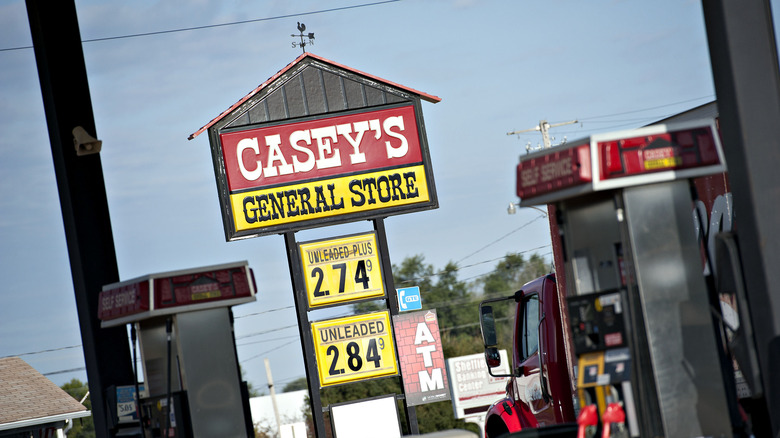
<point x="309" y="36"/>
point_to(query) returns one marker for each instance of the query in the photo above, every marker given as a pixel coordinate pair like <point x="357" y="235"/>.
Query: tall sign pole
<point x="392" y="305"/>
<point x="307" y="343"/>
<point x="321" y="144"/>
<point x="747" y="83"/>
<point x="66" y="100"/>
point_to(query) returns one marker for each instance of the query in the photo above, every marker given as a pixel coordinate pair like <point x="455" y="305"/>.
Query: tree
<point x="253" y="392"/>
<point x="457" y="307"/>
<point x="296" y="385"/>
<point x="82" y="427"/>
<point x="511" y="274"/>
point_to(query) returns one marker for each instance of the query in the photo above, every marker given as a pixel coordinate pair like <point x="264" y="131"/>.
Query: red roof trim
<point x="425" y="96"/>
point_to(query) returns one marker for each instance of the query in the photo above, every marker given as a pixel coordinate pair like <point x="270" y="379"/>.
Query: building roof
<point x="28" y="398"/>
<point x="305" y="55"/>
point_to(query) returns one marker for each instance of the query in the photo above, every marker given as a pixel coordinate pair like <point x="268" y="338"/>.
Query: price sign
<point x="354" y="348"/>
<point x="342" y="269"/>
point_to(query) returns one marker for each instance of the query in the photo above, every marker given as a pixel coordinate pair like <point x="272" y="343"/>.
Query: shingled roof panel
<point x="28" y="395"/>
<point x="285" y="95"/>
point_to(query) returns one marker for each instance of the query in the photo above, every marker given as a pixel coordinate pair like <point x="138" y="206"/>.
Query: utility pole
<point x="744" y="60"/>
<point x="273" y="396"/>
<point x="77" y="166"/>
<point x="544" y="127"/>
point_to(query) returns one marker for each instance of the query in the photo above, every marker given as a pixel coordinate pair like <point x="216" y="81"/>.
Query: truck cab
<point x="539" y="391"/>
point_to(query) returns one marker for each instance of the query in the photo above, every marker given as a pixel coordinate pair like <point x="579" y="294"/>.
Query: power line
<point x="43" y="351"/>
<point x="265" y="332"/>
<point x="72" y="370"/>
<point x="647" y="109"/>
<point x="502" y="237"/>
<point x="494" y="270"/>
<point x="472" y="324"/>
<point x="459" y="268"/>
<point x="268" y="351"/>
<point x="264" y="312"/>
<point x="210" y="26"/>
<point x="290" y="326"/>
<point x="589" y="119"/>
<point x="267" y="340"/>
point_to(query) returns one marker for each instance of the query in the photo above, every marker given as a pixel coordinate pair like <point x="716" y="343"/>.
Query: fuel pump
<point x="640" y="316"/>
<point x="184" y="326"/>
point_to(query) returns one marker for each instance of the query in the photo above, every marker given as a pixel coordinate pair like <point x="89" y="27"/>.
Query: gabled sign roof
<point x="304" y="59"/>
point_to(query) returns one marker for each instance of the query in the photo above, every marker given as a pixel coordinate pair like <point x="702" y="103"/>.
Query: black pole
<point x="744" y="60"/>
<point x="137" y="396"/>
<point x="168" y="330"/>
<point x="392" y="304"/>
<point x="67" y="104"/>
<point x="307" y="341"/>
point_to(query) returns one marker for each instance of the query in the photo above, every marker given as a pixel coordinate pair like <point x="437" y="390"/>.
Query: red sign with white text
<point x="421" y="357"/>
<point x="615" y="160"/>
<point x="558" y="169"/>
<point x="326" y="147"/>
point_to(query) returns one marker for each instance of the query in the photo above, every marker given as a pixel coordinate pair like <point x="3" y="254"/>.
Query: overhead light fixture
<point x="512" y="208"/>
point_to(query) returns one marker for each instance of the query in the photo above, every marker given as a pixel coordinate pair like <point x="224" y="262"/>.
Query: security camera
<point x="85" y="144"/>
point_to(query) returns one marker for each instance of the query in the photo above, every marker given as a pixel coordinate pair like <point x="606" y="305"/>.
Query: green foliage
<point x="360" y="390"/>
<point x="296" y="385"/>
<point x="508" y="277"/>
<point x="439" y="416"/>
<point x="82" y="427"/>
<point x="457" y="307"/>
<point x="511" y="274"/>
<point x="253" y="392"/>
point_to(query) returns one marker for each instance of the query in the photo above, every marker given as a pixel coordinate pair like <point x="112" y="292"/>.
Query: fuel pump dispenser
<point x="184" y="325"/>
<point x="640" y="312"/>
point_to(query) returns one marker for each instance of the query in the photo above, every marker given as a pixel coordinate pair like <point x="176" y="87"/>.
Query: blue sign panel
<point x="409" y="298"/>
<point x="125" y="403"/>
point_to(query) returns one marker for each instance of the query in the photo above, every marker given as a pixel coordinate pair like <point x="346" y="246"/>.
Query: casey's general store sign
<point x="362" y="155"/>
<point x="324" y="168"/>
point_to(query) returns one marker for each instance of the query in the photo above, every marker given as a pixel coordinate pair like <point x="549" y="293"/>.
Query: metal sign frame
<point x="307" y="338"/>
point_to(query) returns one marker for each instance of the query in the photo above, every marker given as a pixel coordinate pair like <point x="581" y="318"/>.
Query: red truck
<point x="539" y="391"/>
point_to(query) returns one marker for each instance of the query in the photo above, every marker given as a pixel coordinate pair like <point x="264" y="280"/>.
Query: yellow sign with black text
<point x="354" y="348"/>
<point x="325" y="198"/>
<point x="342" y="270"/>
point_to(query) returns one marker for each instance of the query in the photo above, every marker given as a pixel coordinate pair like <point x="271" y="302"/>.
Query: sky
<point x="498" y="66"/>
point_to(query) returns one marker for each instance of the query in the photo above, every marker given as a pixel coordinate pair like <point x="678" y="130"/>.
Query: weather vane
<point x="302" y="44"/>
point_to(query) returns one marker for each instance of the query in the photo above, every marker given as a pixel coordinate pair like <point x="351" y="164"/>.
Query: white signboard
<point x="473" y="388"/>
<point x="354" y="419"/>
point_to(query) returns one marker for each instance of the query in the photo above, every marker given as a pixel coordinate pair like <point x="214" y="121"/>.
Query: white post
<point x="273" y="395"/>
